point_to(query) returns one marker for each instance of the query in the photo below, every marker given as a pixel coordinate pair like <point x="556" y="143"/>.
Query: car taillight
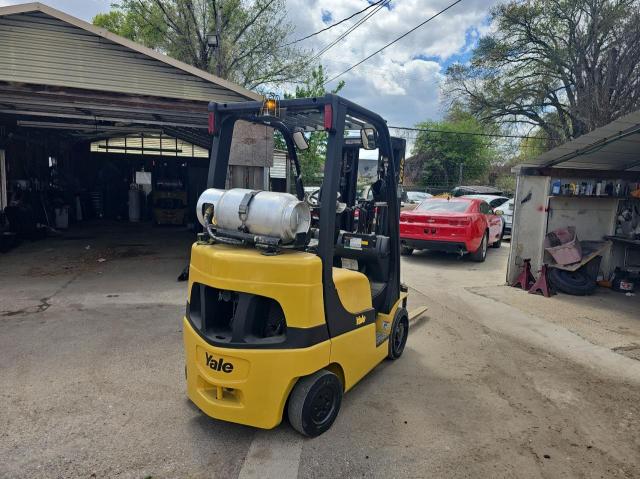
<point x="460" y="222"/>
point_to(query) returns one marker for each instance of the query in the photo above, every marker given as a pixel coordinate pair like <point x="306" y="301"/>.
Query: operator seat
<point x="373" y="256"/>
<point x="353" y="289"/>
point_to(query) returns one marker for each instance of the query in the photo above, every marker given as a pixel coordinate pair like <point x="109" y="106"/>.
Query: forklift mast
<point x="335" y="116"/>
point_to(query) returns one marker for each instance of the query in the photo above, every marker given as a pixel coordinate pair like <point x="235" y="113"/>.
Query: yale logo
<point x="218" y="364"/>
<point x="360" y="319"/>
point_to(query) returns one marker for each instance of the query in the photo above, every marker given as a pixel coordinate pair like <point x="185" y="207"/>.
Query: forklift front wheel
<point x="399" y="334"/>
<point x="315" y="402"/>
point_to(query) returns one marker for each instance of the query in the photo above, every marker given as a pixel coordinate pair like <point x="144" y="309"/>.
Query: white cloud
<point x="403" y="82"/>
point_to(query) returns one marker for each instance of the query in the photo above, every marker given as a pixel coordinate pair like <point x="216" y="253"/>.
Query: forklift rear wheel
<point x="399" y="334"/>
<point x="406" y="251"/>
<point x="315" y="402"/>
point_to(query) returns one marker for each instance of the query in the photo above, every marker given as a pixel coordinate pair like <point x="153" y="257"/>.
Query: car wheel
<point x="480" y="254"/>
<point x="399" y="334"/>
<point x="406" y="251"/>
<point x="315" y="402"/>
<point x="577" y="283"/>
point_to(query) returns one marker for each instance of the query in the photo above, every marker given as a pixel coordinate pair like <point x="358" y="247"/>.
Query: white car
<point x="507" y="215"/>
<point x="416" y="197"/>
<point x="495" y="202"/>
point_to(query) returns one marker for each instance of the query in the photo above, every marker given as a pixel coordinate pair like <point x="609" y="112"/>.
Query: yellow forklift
<point x="285" y="312"/>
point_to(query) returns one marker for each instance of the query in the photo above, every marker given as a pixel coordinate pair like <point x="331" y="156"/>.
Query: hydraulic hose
<point x="207" y="221"/>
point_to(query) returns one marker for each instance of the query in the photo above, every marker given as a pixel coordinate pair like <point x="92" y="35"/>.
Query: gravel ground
<point x="92" y="381"/>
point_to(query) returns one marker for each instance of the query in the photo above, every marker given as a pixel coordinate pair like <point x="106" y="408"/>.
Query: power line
<point x="493" y="141"/>
<point x="458" y="141"/>
<point x="446" y="141"/>
<point x="350" y="30"/>
<point x="379" y="7"/>
<point x="416" y="75"/>
<point x="448" y="132"/>
<point x="335" y="24"/>
<point x="394" y="41"/>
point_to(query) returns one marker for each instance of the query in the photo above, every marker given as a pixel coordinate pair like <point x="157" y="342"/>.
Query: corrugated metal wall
<point x="38" y="49"/>
<point x="279" y="168"/>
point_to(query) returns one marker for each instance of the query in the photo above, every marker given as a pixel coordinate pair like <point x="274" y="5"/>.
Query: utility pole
<point x="460" y="175"/>
<point x="218" y="30"/>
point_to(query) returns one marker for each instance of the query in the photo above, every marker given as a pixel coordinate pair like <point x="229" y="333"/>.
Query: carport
<point x="588" y="183"/>
<point x="86" y="116"/>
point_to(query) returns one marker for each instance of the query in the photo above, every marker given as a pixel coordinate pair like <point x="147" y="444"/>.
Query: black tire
<point x="399" y="334"/>
<point x="577" y="283"/>
<point x="498" y="243"/>
<point x="315" y="402"/>
<point x="481" y="253"/>
<point x="406" y="251"/>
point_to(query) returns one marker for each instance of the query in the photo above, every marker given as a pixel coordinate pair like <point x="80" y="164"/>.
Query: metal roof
<point x="615" y="146"/>
<point x="279" y="168"/>
<point x="476" y="190"/>
<point x="42" y="45"/>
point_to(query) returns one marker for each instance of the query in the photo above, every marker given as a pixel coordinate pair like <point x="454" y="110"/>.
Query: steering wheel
<point x="314" y="199"/>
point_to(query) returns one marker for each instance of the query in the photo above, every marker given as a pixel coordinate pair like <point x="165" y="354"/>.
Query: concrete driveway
<point x="92" y="380"/>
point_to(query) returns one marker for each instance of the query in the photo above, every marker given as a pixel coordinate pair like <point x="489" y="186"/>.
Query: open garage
<point x="590" y="189"/>
<point x="96" y="127"/>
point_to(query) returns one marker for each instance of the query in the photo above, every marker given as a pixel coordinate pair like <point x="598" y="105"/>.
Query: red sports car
<point x="457" y="225"/>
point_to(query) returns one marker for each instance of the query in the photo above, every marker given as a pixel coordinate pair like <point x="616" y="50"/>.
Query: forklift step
<point x="380" y="338"/>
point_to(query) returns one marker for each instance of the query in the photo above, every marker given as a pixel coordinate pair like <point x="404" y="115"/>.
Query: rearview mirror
<point x="299" y="140"/>
<point x="368" y="137"/>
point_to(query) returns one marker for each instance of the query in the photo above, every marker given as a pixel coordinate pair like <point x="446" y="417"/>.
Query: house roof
<point x="615" y="146"/>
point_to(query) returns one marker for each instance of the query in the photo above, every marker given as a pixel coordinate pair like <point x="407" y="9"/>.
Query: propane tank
<point x="268" y="213"/>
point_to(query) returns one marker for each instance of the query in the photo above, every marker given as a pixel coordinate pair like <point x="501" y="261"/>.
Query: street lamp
<point x="212" y="40"/>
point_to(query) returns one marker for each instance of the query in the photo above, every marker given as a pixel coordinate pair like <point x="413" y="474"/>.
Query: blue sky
<point x="84" y="9"/>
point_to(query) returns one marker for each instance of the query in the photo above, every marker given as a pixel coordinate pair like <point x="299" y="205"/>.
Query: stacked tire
<point x="577" y="283"/>
<point x="581" y="282"/>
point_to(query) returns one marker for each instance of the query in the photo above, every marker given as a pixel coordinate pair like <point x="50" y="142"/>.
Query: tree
<point x="563" y="66"/>
<point x="522" y="151"/>
<point x="252" y="48"/>
<point x="312" y="159"/>
<point x="129" y="26"/>
<point x="449" y="152"/>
